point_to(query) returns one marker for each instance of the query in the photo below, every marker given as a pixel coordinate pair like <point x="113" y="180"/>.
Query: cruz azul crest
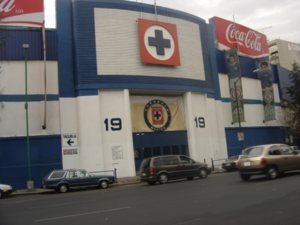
<point x="157" y="115"/>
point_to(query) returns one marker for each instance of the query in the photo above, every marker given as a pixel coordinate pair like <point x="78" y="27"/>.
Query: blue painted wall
<point x="253" y="136"/>
<point x="45" y="155"/>
<point x="15" y="38"/>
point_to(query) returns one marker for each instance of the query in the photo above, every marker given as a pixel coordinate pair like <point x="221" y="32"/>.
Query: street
<point x="220" y="199"/>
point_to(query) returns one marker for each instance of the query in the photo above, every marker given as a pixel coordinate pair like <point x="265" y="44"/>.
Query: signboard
<point x="293" y="47"/>
<point x="158" y="42"/>
<point x="22" y="12"/>
<point x="117" y="152"/>
<point x="240" y="136"/>
<point x="235" y="85"/>
<point x="266" y="77"/>
<point x="228" y="34"/>
<point x="69" y="140"/>
<point x="70" y="151"/>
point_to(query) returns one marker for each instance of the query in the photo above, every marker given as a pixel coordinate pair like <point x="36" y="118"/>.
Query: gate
<point x="150" y="144"/>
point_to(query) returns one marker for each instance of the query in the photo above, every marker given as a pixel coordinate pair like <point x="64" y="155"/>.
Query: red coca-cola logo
<point x="248" y="40"/>
<point x="233" y="35"/>
<point x="7" y="5"/>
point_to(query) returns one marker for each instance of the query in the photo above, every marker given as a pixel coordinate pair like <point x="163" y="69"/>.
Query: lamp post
<point x="237" y="103"/>
<point x="29" y="182"/>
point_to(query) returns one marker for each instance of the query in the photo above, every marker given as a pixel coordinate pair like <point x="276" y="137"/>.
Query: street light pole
<point x="237" y="103"/>
<point x="29" y="183"/>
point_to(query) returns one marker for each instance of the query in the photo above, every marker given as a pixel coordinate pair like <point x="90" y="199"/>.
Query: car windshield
<point x="253" y="152"/>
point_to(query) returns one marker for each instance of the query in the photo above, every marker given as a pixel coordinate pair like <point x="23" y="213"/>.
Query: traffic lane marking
<point x="83" y="214"/>
<point x="71" y="203"/>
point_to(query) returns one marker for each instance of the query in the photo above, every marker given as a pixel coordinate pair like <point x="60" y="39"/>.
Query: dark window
<point x="175" y="150"/>
<point x="156" y="151"/>
<point x="147" y="152"/>
<point x="274" y="150"/>
<point x="253" y="152"/>
<point x="56" y="175"/>
<point x="184" y="150"/>
<point x="137" y="154"/>
<point x="286" y="150"/>
<point x="146" y="163"/>
<point x="186" y="160"/>
<point x="171" y="160"/>
<point x="158" y="161"/>
<point x="167" y="150"/>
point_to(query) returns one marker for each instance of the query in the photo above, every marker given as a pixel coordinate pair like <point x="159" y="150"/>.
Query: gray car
<point x="63" y="180"/>
<point x="170" y="167"/>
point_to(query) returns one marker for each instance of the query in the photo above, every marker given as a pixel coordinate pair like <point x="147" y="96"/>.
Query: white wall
<point x="254" y="113"/>
<point x="111" y="24"/>
<point x="207" y="142"/>
<point x="13" y="114"/>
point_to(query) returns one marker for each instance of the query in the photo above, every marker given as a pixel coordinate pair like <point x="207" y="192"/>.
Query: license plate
<point x="143" y="174"/>
<point x="246" y="163"/>
<point x="228" y="164"/>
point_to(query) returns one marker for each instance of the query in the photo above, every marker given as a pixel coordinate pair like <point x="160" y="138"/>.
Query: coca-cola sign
<point x="22" y="12"/>
<point x="228" y="34"/>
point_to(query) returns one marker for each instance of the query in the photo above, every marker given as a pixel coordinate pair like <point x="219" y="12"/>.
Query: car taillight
<point x="233" y="163"/>
<point x="223" y="164"/>
<point x="151" y="170"/>
<point x="239" y="163"/>
<point x="45" y="182"/>
<point x="263" y="161"/>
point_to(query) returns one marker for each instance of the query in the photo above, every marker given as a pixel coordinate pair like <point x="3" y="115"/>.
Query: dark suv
<point x="169" y="167"/>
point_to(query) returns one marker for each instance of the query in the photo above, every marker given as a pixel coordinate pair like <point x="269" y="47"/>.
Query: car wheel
<point x="103" y="184"/>
<point x="151" y="182"/>
<point x="1" y="194"/>
<point x="163" y="178"/>
<point x="272" y="172"/>
<point x="63" y="188"/>
<point x="202" y="173"/>
<point x="245" y="177"/>
<point x="190" y="178"/>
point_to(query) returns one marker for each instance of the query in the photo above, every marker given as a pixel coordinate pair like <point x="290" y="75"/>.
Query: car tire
<point x="1" y="194"/>
<point x="103" y="184"/>
<point x="163" y="178"/>
<point x="151" y="182"/>
<point x="272" y="172"/>
<point x="245" y="177"/>
<point x="202" y="173"/>
<point x="63" y="188"/>
<point x="190" y="178"/>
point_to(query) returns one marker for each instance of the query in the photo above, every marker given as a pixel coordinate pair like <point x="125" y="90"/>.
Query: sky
<point x="283" y="16"/>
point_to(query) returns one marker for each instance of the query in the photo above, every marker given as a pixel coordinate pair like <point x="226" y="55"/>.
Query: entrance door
<point x="150" y="144"/>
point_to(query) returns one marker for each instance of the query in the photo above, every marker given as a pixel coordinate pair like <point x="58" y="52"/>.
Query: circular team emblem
<point x="236" y="93"/>
<point x="268" y="96"/>
<point x="157" y="115"/>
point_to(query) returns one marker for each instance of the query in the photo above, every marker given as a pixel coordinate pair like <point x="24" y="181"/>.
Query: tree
<point x="294" y="102"/>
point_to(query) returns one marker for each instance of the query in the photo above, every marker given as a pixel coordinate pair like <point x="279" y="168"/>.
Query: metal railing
<point x="214" y="160"/>
<point x="114" y="173"/>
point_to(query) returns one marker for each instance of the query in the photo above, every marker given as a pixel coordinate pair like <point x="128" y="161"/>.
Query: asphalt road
<point x="219" y="199"/>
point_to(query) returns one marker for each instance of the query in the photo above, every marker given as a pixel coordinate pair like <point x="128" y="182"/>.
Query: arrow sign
<point x="69" y="140"/>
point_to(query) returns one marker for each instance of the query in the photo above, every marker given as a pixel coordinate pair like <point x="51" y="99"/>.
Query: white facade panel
<point x="109" y="47"/>
<point x="13" y="72"/>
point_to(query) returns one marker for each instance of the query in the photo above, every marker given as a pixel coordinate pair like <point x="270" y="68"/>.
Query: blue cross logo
<point x="157" y="115"/>
<point x="159" y="42"/>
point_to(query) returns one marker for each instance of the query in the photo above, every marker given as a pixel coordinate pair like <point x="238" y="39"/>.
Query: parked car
<point x="63" y="180"/>
<point x="270" y="160"/>
<point x="295" y="148"/>
<point x="5" y="190"/>
<point x="170" y="167"/>
<point x="231" y="163"/>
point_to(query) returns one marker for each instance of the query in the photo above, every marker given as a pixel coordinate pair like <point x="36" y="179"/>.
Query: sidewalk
<point x="121" y="181"/>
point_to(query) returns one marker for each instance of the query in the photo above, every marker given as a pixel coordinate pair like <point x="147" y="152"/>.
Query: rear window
<point x="56" y="175"/>
<point x="233" y="157"/>
<point x="253" y="152"/>
<point x="146" y="163"/>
